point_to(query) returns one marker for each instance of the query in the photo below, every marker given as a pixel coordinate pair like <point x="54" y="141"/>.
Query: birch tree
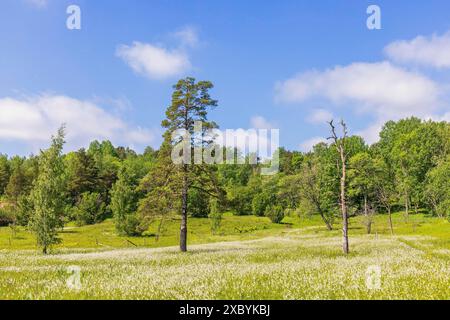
<point x="48" y="195"/>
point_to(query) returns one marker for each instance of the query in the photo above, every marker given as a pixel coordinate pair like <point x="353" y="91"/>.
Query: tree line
<point x="407" y="169"/>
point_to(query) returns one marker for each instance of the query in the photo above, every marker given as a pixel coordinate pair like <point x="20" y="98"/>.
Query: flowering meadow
<point x="290" y="263"/>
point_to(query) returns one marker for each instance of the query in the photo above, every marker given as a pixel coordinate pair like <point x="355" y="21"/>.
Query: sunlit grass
<point x="250" y="258"/>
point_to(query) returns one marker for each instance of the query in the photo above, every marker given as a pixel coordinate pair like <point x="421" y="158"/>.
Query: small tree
<point x="48" y="194"/>
<point x="385" y="191"/>
<point x="259" y="204"/>
<point x="90" y="209"/>
<point x="124" y="205"/>
<point x="362" y="178"/>
<point x="275" y="213"/>
<point x="314" y="190"/>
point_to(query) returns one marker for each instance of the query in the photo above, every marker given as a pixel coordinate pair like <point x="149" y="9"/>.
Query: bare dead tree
<point x="340" y="147"/>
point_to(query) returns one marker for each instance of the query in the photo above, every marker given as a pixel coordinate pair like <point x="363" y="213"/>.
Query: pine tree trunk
<point x="184" y="203"/>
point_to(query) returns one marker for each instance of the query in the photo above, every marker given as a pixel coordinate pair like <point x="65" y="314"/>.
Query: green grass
<point x="104" y="236"/>
<point x="250" y="258"/>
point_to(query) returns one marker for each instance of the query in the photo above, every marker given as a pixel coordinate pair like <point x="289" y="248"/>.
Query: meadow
<point x="249" y="258"/>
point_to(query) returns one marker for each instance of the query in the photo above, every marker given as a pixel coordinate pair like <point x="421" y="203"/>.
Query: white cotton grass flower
<point x="292" y="266"/>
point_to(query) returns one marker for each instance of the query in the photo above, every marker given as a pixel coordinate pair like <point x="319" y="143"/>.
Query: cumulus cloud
<point x="153" y="61"/>
<point x="308" y="145"/>
<point x="259" y="122"/>
<point x="157" y="61"/>
<point x="431" y="51"/>
<point x="377" y="88"/>
<point x="320" y="116"/>
<point x="371" y="134"/>
<point x="33" y="120"/>
<point x="381" y="91"/>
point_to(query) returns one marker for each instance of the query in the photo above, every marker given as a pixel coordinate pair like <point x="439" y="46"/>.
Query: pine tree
<point x="168" y="185"/>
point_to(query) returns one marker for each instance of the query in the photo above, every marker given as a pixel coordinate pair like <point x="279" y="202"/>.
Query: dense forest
<point x="408" y="169"/>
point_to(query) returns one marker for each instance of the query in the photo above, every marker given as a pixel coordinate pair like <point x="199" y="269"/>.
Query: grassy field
<point x="250" y="258"/>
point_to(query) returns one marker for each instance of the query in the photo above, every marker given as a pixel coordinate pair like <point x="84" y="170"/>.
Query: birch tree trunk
<point x="184" y="204"/>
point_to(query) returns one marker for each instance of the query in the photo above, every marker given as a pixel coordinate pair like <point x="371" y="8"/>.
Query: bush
<point x="130" y="225"/>
<point x="275" y="213"/>
<point x="6" y="216"/>
<point x="259" y="204"/>
<point x="443" y="209"/>
<point x="90" y="209"/>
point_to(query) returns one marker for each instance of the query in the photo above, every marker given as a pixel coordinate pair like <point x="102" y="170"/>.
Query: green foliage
<point x="48" y="194"/>
<point x="437" y="190"/>
<point x="107" y="164"/>
<point x="240" y="199"/>
<point x="413" y="148"/>
<point x="24" y="209"/>
<point x="215" y="215"/>
<point x="90" y="209"/>
<point x="124" y="205"/>
<point x="318" y="185"/>
<point x="198" y="203"/>
<point x="7" y="216"/>
<point x="290" y="161"/>
<point x="259" y="203"/>
<point x="275" y="213"/>
<point x="17" y="183"/>
<point x="4" y="173"/>
<point x="82" y="174"/>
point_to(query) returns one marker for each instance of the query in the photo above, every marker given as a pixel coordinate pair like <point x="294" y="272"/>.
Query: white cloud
<point x="376" y="88"/>
<point x="259" y="122"/>
<point x="381" y="91"/>
<point x="371" y="134"/>
<point x="38" y="3"/>
<point x="427" y="51"/>
<point x="445" y="117"/>
<point x="320" y="116"/>
<point x="33" y="120"/>
<point x="187" y="36"/>
<point x="308" y="145"/>
<point x="153" y="61"/>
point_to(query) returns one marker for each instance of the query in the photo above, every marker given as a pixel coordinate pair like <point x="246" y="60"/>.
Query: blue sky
<point x="290" y="65"/>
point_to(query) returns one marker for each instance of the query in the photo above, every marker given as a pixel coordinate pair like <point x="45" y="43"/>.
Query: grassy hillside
<point x="104" y="236"/>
